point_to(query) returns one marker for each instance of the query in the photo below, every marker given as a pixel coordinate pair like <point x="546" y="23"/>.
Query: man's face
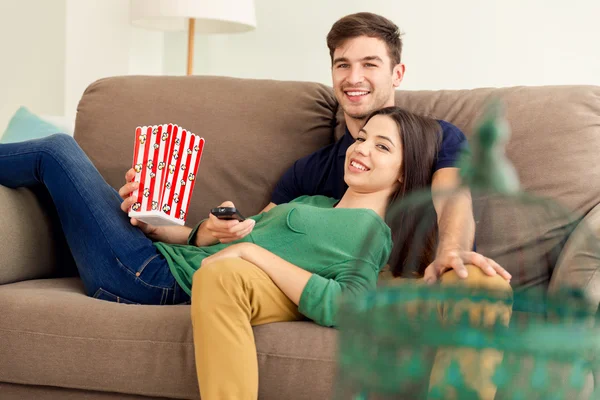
<point x="363" y="76"/>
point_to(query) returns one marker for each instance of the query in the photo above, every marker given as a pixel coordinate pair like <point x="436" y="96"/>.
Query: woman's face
<point x="374" y="161"/>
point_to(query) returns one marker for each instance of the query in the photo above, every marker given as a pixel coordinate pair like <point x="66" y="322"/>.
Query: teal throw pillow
<point x="25" y="125"/>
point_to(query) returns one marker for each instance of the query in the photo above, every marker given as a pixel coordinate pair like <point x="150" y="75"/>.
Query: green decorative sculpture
<point x="486" y="167"/>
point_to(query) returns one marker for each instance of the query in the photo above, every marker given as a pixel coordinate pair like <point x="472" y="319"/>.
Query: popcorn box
<point x="166" y="160"/>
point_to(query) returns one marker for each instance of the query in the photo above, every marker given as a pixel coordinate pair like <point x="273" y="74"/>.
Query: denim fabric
<point x="115" y="260"/>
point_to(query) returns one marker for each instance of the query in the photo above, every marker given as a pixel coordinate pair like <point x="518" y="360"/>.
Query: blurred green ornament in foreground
<point x="486" y="166"/>
<point x="415" y="341"/>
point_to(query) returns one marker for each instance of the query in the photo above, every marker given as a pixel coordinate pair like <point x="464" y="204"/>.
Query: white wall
<point x="51" y="55"/>
<point x="447" y="44"/>
<point x="101" y="42"/>
<point x="32" y="55"/>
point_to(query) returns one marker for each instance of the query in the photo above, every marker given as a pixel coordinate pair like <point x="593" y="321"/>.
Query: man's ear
<point x="398" y="74"/>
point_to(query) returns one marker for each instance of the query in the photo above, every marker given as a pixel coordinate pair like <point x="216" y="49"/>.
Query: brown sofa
<point x="56" y="343"/>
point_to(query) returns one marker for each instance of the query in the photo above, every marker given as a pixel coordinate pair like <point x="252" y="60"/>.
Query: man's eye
<point x="370" y="65"/>
<point x="342" y="65"/>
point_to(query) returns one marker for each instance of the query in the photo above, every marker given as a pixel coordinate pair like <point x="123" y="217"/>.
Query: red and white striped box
<point x="166" y="160"/>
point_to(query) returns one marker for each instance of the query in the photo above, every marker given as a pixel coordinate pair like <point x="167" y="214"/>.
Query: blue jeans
<point x="115" y="260"/>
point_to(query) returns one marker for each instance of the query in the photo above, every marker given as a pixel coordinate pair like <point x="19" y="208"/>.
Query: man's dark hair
<point x="366" y="24"/>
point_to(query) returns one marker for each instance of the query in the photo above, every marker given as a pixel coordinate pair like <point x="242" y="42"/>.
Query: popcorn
<point x="166" y="160"/>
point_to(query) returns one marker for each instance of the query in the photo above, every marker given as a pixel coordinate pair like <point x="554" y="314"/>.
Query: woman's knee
<point x="222" y="275"/>
<point x="477" y="279"/>
<point x="60" y="146"/>
<point x="60" y="141"/>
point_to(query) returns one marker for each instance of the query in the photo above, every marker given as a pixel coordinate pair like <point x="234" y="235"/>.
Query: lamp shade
<point x="212" y="16"/>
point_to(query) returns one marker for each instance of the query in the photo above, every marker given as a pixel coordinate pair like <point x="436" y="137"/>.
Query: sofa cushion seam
<point x="260" y="353"/>
<point x="96" y="389"/>
<point x="91" y="338"/>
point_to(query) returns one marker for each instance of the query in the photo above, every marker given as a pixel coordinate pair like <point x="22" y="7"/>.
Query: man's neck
<point x="354" y="125"/>
<point x="377" y="202"/>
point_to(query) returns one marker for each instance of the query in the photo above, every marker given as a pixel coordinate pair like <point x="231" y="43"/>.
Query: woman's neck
<point x="377" y="202"/>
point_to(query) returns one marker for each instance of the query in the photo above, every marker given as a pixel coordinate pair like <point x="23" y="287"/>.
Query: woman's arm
<point x="288" y="277"/>
<point x="317" y="297"/>
<point x="167" y="234"/>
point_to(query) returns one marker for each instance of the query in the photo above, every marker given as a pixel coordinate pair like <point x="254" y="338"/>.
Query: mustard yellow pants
<point x="232" y="295"/>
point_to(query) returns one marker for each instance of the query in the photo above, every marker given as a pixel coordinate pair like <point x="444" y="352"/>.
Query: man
<point x="365" y="52"/>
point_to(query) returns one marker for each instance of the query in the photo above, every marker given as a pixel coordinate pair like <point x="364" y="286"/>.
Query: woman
<point x="298" y="260"/>
<point x="335" y="249"/>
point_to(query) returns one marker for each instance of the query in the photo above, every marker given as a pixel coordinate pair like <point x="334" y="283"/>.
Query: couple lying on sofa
<point x="292" y="261"/>
<point x="299" y="258"/>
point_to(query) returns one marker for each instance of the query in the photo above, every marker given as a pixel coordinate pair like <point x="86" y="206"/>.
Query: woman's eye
<point x="359" y="139"/>
<point x="383" y="147"/>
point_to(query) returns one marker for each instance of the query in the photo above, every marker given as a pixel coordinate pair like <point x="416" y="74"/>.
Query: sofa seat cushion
<point x="52" y="334"/>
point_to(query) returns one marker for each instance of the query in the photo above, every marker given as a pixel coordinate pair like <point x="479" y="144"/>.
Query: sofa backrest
<point x="555" y="134"/>
<point x="254" y="130"/>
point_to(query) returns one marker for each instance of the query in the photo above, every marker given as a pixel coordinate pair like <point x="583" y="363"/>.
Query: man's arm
<point x="454" y="209"/>
<point x="454" y="212"/>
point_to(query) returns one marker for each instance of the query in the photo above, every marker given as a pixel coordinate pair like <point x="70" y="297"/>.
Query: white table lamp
<point x="201" y="16"/>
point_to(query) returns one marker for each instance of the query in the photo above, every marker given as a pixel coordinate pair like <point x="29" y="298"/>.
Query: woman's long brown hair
<point x="413" y="249"/>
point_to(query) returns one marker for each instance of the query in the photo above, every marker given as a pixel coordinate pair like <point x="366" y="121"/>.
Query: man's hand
<point x="234" y="251"/>
<point x="227" y="231"/>
<point x="125" y="191"/>
<point x="456" y="259"/>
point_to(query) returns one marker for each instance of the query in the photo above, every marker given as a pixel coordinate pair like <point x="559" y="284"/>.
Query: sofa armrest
<point x="578" y="266"/>
<point x="28" y="236"/>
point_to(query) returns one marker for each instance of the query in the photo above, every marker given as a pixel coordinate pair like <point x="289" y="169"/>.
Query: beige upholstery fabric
<point x="54" y="335"/>
<point x="577" y="266"/>
<point x="555" y="134"/>
<point x="9" y="391"/>
<point x="254" y="130"/>
<point x="32" y="244"/>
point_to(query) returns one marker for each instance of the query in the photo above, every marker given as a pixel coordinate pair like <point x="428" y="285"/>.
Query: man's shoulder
<point x="449" y="127"/>
<point x="452" y="135"/>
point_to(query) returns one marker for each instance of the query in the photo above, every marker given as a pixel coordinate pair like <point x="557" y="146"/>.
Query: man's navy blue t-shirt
<point x="322" y="172"/>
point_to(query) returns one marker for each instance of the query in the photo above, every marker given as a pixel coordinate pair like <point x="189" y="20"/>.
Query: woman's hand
<point x="225" y="231"/>
<point x="125" y="192"/>
<point x="239" y="250"/>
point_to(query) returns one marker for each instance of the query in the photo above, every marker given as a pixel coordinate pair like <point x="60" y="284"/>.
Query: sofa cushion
<point x="555" y="134"/>
<point x="29" y="222"/>
<point x="254" y="130"/>
<point x="25" y="125"/>
<point x="578" y="266"/>
<point x="553" y="145"/>
<point x="52" y="334"/>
